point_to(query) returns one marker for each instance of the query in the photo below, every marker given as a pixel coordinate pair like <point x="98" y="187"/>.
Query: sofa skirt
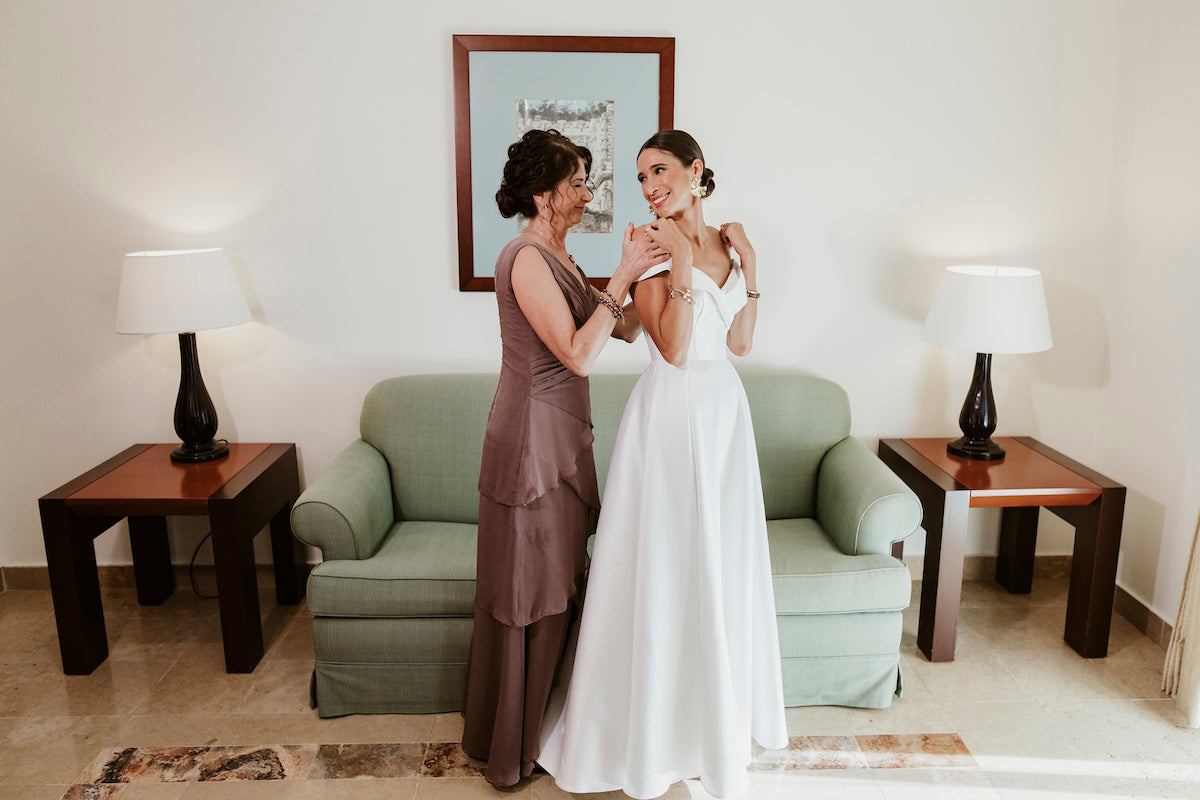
<point x="841" y="659"/>
<point x="388" y="688"/>
<point x="411" y="665"/>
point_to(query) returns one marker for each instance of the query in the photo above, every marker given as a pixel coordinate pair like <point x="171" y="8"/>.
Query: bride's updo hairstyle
<point x="537" y="163"/>
<point x="681" y="145"/>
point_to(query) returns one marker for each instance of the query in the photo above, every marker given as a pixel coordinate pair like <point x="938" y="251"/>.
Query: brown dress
<point x="538" y="501"/>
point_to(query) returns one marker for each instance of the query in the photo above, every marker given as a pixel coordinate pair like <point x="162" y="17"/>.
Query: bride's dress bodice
<point x="713" y="310"/>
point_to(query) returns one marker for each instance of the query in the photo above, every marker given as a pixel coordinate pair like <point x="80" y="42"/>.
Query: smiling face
<point x="567" y="202"/>
<point x="666" y="181"/>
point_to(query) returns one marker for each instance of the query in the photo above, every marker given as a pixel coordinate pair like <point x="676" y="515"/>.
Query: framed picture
<point x="607" y="93"/>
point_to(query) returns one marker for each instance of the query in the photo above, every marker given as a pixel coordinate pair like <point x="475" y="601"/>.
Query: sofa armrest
<point x="861" y="504"/>
<point x="348" y="509"/>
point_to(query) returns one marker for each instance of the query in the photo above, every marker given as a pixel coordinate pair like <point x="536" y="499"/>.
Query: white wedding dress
<point x="677" y="663"/>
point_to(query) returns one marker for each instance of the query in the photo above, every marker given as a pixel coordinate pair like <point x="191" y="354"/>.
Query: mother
<point x="538" y="493"/>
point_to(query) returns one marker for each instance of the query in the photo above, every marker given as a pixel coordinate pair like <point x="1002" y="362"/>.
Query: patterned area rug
<point x="116" y="769"/>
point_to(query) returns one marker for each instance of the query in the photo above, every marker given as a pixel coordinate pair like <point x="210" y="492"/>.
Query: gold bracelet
<point x="610" y="303"/>
<point x="683" y="294"/>
<point x="753" y="295"/>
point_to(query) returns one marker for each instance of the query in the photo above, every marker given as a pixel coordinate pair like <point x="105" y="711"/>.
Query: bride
<point x="677" y="663"/>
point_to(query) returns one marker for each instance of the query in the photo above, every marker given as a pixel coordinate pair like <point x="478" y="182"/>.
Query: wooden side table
<point x="1031" y="476"/>
<point x="255" y="485"/>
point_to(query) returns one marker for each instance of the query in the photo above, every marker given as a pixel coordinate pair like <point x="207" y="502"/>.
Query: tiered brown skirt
<point x="531" y="561"/>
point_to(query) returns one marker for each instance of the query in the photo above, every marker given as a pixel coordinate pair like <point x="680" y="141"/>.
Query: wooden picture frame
<point x="618" y="90"/>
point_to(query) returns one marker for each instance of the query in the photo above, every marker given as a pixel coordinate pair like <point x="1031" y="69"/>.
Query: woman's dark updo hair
<point x="537" y="163"/>
<point x="681" y="145"/>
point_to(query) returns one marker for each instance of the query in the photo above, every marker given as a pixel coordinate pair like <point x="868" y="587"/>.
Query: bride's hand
<point x="666" y="234"/>
<point x="734" y="236"/>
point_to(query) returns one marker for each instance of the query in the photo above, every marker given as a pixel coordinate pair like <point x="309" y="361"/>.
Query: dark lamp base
<point x="198" y="454"/>
<point x="976" y="449"/>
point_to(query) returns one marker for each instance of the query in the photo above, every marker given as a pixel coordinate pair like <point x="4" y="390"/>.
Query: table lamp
<point x="183" y="291"/>
<point x="986" y="310"/>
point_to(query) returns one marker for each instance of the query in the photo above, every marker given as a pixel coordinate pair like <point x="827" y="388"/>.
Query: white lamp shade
<point x="984" y="309"/>
<point x="179" y="291"/>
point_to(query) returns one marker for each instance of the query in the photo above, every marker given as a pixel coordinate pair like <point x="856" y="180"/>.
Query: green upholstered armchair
<point x="394" y="517"/>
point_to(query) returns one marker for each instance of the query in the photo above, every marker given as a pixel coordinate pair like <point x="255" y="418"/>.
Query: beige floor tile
<point x="55" y="750"/>
<point x="447" y="727"/>
<point x="32" y="791"/>
<point x="29" y="639"/>
<point x="1120" y="731"/>
<point x="377" y="728"/>
<point x="903" y="717"/>
<point x="191" y="686"/>
<point x="470" y="789"/>
<point x="823" y="784"/>
<point x="115" y="687"/>
<point x="1006" y="732"/>
<point x="150" y="730"/>
<point x="1058" y="674"/>
<point x="280" y="686"/>
<point x="977" y="679"/>
<point x="294" y="640"/>
<point x="24" y="601"/>
<point x="269" y="728"/>
<point x="154" y="791"/>
<point x="936" y="784"/>
<point x="361" y="789"/>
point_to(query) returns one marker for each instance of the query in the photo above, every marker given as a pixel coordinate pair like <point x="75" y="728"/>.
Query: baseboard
<point x="120" y="576"/>
<point x="1143" y="618"/>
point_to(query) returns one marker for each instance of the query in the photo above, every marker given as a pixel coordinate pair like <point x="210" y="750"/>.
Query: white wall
<point x="865" y="144"/>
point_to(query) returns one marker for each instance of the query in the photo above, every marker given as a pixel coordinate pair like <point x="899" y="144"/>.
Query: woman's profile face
<point x="571" y="196"/>
<point x="666" y="182"/>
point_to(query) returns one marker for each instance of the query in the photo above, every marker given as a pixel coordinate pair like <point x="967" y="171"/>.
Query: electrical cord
<point x="192" y="570"/>
<point x="192" y="563"/>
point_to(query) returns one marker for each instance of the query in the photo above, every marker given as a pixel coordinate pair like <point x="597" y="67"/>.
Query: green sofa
<point x="394" y="517"/>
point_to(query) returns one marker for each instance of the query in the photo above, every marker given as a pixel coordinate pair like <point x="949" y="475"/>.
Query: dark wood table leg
<point x="1093" y="571"/>
<point x="287" y="552"/>
<point x="1018" y="542"/>
<point x="287" y="556"/>
<point x="151" y="559"/>
<point x="75" y="585"/>
<point x="941" y="581"/>
<point x="898" y="550"/>
<point x="237" y="585"/>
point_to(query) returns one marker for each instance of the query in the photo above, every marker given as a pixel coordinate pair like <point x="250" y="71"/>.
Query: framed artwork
<point x="607" y="93"/>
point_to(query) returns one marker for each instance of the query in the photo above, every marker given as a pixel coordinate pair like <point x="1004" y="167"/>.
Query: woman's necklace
<point x="559" y="251"/>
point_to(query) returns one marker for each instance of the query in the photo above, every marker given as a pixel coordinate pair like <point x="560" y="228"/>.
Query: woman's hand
<point x="638" y="254"/>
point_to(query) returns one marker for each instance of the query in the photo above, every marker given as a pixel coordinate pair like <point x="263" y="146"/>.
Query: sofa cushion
<point x="423" y="569"/>
<point x="812" y="576"/>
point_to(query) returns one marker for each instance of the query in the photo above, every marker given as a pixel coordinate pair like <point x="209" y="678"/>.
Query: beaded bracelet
<point x="753" y="295"/>
<point x="610" y="303"/>
<point x="683" y="294"/>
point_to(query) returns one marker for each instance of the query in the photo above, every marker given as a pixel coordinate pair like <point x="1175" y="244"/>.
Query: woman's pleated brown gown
<point x="538" y="501"/>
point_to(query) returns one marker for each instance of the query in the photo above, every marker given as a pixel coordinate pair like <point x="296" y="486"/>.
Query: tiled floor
<point x="1017" y="715"/>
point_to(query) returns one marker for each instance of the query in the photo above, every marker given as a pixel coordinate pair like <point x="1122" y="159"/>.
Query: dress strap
<point x="656" y="270"/>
